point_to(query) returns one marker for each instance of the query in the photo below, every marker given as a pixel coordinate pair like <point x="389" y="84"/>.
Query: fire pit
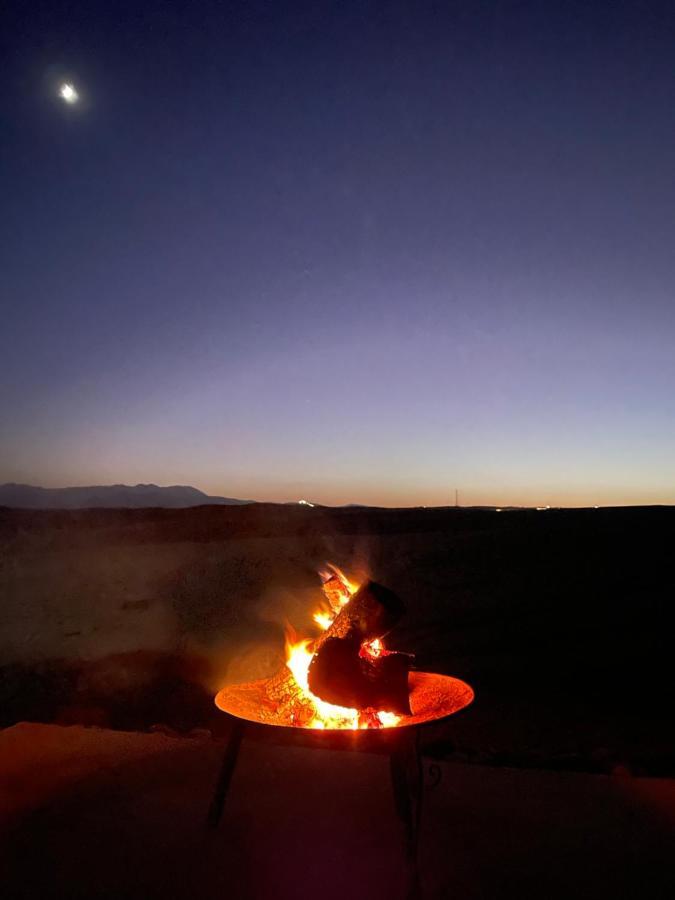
<point x="432" y="697"/>
<point x="348" y="663"/>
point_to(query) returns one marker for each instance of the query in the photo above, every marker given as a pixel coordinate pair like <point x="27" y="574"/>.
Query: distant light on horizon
<point x="68" y="93"/>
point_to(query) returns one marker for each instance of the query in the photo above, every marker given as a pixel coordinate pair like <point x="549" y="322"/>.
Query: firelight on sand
<point x="299" y="654"/>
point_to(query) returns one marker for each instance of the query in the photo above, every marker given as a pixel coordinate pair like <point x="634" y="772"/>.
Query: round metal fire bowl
<point x="432" y="697"/>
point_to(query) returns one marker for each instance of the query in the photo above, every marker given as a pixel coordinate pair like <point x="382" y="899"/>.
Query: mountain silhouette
<point x="26" y="496"/>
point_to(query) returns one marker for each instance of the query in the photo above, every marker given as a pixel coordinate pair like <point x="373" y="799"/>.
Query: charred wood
<point x="343" y="674"/>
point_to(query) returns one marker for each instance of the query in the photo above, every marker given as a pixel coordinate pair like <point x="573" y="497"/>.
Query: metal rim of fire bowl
<point x="432" y="697"/>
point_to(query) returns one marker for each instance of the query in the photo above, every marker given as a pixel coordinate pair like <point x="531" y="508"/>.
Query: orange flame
<point x="323" y="619"/>
<point x="326" y="715"/>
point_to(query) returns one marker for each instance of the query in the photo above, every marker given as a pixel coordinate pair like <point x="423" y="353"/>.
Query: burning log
<point x="336" y="591"/>
<point x="370" y="613"/>
<point x="350" y="668"/>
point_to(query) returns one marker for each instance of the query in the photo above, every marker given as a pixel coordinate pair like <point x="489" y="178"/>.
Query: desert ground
<point x="97" y="813"/>
<point x="118" y="626"/>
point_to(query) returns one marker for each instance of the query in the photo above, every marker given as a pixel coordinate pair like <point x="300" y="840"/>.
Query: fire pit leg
<point x="223" y="783"/>
<point x="407" y="777"/>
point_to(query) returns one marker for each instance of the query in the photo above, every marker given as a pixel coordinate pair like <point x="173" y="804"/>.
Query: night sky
<point x="353" y="252"/>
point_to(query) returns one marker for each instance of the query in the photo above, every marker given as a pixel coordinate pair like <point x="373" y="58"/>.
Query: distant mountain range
<point x="26" y="496"/>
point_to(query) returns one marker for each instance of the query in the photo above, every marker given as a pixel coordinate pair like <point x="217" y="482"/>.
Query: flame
<point x="298" y="658"/>
<point x="388" y="720"/>
<point x="299" y="655"/>
<point x="323" y="619"/>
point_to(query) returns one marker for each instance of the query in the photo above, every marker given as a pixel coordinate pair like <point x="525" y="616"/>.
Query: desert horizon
<point x="465" y="499"/>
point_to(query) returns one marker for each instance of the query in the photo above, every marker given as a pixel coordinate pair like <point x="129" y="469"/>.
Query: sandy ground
<point x="97" y="813"/>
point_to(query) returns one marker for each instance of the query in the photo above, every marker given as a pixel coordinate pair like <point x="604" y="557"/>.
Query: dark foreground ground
<point x="128" y="621"/>
<point x="95" y="813"/>
<point x="559" y="619"/>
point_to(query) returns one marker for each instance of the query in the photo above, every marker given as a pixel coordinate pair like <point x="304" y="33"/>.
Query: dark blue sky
<point x="350" y="251"/>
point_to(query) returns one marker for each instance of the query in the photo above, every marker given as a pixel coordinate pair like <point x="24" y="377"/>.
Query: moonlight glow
<point x="68" y="93"/>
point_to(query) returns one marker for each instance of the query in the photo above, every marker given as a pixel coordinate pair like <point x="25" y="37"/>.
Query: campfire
<point x="345" y="678"/>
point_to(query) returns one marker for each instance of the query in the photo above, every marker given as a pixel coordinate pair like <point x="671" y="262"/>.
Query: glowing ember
<point x="337" y="587"/>
<point x="388" y="720"/>
<point x="373" y="649"/>
<point x="299" y="653"/>
<point x="338" y="590"/>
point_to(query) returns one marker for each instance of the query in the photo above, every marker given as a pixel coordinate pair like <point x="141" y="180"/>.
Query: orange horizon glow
<point x="395" y="498"/>
<point x="322" y="494"/>
<point x="398" y="495"/>
<point x="369" y="272"/>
